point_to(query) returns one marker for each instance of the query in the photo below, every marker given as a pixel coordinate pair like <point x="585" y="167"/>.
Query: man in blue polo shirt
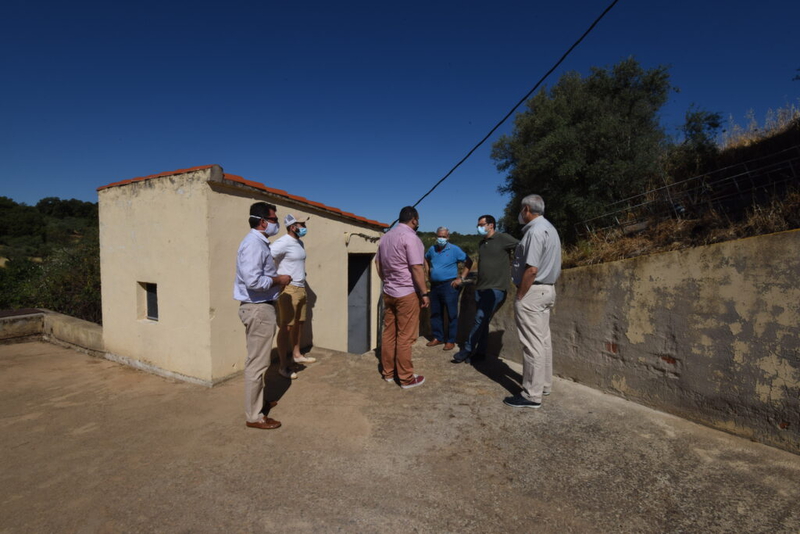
<point x="443" y="259"/>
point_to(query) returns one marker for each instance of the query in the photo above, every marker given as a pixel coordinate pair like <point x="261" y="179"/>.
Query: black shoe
<point x="461" y="357"/>
<point x="521" y="402"/>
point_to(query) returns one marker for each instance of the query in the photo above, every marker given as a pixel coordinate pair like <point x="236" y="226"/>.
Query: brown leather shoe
<point x="433" y="343"/>
<point x="265" y="423"/>
<point x="449" y="346"/>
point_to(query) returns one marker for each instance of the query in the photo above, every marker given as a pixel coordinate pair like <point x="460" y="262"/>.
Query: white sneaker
<point x="305" y="359"/>
<point x="287" y="373"/>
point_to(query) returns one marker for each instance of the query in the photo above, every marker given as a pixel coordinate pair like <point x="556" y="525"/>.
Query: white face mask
<point x="521" y="219"/>
<point x="272" y="229"/>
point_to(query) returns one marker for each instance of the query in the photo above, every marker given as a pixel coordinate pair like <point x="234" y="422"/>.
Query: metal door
<point x="358" y="297"/>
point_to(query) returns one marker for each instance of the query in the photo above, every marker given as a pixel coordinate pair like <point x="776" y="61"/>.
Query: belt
<point x="442" y="282"/>
<point x="270" y="302"/>
<point x="542" y="284"/>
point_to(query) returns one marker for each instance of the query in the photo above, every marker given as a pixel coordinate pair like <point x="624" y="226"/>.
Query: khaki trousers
<point x="259" y="321"/>
<point x="292" y="305"/>
<point x="532" y="315"/>
<point x="400" y="328"/>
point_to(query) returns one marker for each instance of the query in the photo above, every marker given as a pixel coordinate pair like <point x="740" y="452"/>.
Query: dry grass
<point x="776" y="122"/>
<point x="779" y="215"/>
<point x="781" y="131"/>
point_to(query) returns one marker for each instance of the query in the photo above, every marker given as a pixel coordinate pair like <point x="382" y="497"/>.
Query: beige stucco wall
<point x="182" y="233"/>
<point x="327" y="248"/>
<point x="711" y="334"/>
<point x="155" y="231"/>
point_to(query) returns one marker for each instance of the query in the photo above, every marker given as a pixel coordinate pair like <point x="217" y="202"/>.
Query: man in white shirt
<point x="257" y="287"/>
<point x="290" y="255"/>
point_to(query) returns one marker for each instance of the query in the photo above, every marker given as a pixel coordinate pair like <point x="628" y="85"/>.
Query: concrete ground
<point x="92" y="446"/>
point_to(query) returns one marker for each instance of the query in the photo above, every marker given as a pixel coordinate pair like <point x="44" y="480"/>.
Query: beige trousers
<point x="259" y="321"/>
<point x="532" y="315"/>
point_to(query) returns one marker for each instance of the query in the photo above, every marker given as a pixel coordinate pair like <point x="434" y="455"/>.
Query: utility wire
<point x="518" y="104"/>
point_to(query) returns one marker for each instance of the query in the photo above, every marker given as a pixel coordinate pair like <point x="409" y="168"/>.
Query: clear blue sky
<point x="359" y="105"/>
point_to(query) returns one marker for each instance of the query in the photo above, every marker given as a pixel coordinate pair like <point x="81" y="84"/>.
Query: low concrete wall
<point x="54" y="328"/>
<point x="711" y="334"/>
<point x="76" y="333"/>
<point x="18" y="327"/>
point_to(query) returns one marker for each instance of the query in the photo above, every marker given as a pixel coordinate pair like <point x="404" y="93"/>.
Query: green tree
<point x="61" y="209"/>
<point x="67" y="281"/>
<point x="62" y="235"/>
<point x="19" y="220"/>
<point x="70" y="280"/>
<point x="698" y="147"/>
<point x="585" y="143"/>
<point x="16" y="278"/>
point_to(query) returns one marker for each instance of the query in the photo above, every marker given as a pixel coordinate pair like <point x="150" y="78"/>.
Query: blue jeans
<point x="487" y="302"/>
<point x="443" y="295"/>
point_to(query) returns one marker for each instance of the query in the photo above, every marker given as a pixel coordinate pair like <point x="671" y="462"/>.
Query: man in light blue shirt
<point x="257" y="287"/>
<point x="443" y="259"/>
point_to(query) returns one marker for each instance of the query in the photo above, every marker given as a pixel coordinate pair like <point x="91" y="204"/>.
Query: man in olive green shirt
<point x="494" y="278"/>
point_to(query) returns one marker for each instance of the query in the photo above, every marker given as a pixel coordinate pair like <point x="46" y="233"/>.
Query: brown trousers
<point x="400" y="330"/>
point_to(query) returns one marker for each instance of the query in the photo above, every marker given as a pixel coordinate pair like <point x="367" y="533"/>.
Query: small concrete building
<point x="168" y="246"/>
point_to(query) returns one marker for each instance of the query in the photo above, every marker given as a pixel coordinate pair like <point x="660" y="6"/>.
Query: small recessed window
<point x="152" y="301"/>
<point x="148" y="303"/>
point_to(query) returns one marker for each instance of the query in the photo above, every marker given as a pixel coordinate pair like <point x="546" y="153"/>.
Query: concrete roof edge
<point x="217" y="174"/>
<point x="160" y="175"/>
<point x="239" y="181"/>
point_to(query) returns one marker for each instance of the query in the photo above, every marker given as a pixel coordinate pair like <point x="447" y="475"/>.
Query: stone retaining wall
<point x="711" y="334"/>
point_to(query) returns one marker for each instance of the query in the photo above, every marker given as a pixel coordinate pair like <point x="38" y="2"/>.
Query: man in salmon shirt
<point x="399" y="261"/>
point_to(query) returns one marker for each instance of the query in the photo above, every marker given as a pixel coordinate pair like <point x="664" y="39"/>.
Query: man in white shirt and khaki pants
<point x="290" y="255"/>
<point x="537" y="266"/>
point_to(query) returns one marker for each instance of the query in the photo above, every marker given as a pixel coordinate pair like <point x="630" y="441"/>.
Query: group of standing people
<point x="533" y="263"/>
<point x="270" y="285"/>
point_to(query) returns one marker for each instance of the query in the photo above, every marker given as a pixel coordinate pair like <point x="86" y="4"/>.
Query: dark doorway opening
<point x="358" y="297"/>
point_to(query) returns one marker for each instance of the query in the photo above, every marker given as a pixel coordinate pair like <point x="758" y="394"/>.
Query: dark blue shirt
<point x="444" y="262"/>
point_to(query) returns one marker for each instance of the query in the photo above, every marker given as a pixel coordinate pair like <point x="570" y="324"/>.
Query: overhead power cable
<point x="518" y="104"/>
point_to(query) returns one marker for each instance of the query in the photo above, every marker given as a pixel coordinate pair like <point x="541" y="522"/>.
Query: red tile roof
<point x="256" y="185"/>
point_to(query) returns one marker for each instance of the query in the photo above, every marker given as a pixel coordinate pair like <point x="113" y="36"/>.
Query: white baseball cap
<point x="290" y="220"/>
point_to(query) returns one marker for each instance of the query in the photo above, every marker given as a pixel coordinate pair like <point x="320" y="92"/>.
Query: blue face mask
<point x="482" y="230"/>
<point x="301" y="231"/>
<point x="441" y="241"/>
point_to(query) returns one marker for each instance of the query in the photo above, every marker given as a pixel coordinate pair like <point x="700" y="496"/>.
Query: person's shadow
<point x="275" y="385"/>
<point x="491" y="366"/>
<point x="495" y="369"/>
